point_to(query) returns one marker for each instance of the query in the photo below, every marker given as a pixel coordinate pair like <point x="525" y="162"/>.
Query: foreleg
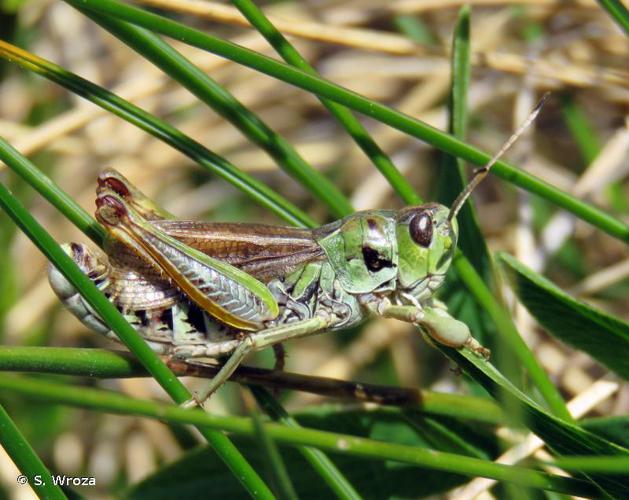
<point x="437" y="323"/>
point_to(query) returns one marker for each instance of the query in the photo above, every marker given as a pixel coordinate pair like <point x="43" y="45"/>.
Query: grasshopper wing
<point x="225" y="292"/>
<point x="262" y="251"/>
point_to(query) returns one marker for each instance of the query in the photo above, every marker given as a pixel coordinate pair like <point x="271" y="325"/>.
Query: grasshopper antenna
<point x="480" y="173"/>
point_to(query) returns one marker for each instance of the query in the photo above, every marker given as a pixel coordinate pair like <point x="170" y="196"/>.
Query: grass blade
<point x="324" y="88"/>
<point x="104" y="363"/>
<point x="618" y="12"/>
<point x="510" y="335"/>
<point x="276" y="470"/>
<point x="602" y="336"/>
<point x="25" y="458"/>
<point x="452" y="176"/>
<point x="128" y="336"/>
<point x="606" y="465"/>
<point x="167" y="133"/>
<point x="344" y="116"/>
<point x="337" y="443"/>
<point x="218" y="98"/>
<point x="562" y="437"/>
<point x="53" y="193"/>
<point x="581" y="129"/>
<point x="316" y="458"/>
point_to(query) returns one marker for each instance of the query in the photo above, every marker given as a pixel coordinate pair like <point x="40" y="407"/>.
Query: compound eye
<point x="420" y="228"/>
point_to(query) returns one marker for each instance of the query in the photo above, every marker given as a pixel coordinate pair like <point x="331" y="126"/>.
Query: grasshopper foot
<point x="477" y="348"/>
<point x="193" y="402"/>
<point x="280" y="357"/>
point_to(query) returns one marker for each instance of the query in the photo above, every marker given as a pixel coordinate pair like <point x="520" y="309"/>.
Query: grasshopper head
<point x="426" y="243"/>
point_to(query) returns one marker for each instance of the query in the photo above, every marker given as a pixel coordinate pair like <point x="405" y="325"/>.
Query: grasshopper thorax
<point x="426" y="243"/>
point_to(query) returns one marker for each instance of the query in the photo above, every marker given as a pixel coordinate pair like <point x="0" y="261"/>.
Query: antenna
<point x="480" y="173"/>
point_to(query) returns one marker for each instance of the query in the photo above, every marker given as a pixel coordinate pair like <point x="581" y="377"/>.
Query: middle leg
<point x="259" y="340"/>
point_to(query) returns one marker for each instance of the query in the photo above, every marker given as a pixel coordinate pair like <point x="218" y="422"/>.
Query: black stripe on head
<point x="374" y="261"/>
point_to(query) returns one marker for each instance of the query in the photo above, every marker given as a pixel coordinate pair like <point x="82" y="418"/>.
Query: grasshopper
<point x="221" y="290"/>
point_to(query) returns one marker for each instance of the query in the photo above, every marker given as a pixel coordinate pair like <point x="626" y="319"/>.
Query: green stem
<point x="510" y="334"/>
<point x="583" y="133"/>
<point x="26" y="460"/>
<point x="53" y="193"/>
<point x="103" y="363"/>
<point x="316" y="458"/>
<point x="385" y="114"/>
<point x="618" y="12"/>
<point x="602" y="464"/>
<point x="218" y="98"/>
<point x="112" y="317"/>
<point x="274" y="464"/>
<point x="163" y="131"/>
<point x="337" y="443"/>
<point x="344" y="116"/>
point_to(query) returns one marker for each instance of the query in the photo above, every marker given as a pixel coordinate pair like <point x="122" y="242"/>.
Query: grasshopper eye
<point x="420" y="228"/>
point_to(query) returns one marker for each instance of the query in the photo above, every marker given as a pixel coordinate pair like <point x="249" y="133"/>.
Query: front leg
<point x="437" y="323"/>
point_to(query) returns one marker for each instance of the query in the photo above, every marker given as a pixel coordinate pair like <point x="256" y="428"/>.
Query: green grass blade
<point x="441" y="437"/>
<point x="104" y="363"/>
<point x="276" y="470"/>
<point x="602" y="336"/>
<point x="414" y="28"/>
<point x="53" y="193"/>
<point x="605" y="465"/>
<point x="509" y="334"/>
<point x="450" y="183"/>
<point x="337" y="443"/>
<point x="167" y="133"/>
<point x="452" y="176"/>
<point x="564" y="438"/>
<point x="112" y="317"/>
<point x="614" y="428"/>
<point x="618" y="12"/>
<point x="344" y="116"/>
<point x="396" y="119"/>
<point x="581" y="129"/>
<point x="218" y="98"/>
<point x="319" y="461"/>
<point x="25" y="458"/>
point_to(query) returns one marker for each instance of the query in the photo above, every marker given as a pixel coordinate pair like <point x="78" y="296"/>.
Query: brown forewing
<point x="263" y="251"/>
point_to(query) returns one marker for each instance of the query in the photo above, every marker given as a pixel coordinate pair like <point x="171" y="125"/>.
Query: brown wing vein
<point x="265" y="252"/>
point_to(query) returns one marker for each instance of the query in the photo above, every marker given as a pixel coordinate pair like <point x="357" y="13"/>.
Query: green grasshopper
<point x="221" y="290"/>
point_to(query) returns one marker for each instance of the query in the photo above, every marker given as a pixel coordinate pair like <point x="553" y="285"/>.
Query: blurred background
<point x="393" y="52"/>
